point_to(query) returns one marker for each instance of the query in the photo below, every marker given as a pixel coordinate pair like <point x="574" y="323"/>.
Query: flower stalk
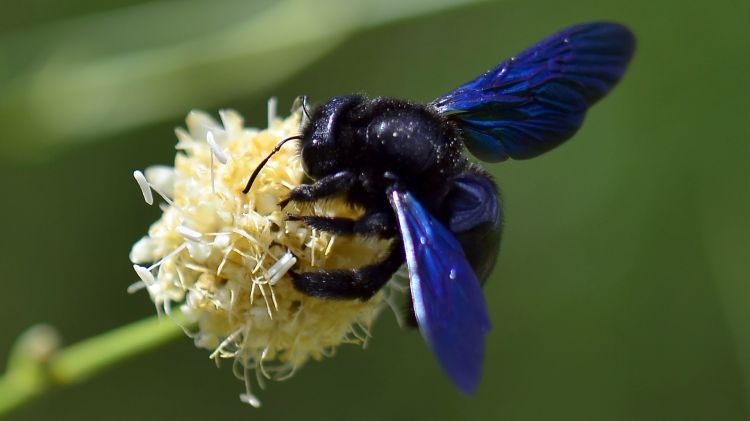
<point x="37" y="363"/>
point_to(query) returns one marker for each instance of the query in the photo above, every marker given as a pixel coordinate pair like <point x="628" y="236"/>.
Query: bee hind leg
<point x="360" y="283"/>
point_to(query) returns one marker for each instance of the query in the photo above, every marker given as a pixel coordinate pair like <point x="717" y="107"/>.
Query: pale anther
<point x="145" y="187"/>
<point x="189" y="233"/>
<point x="215" y="148"/>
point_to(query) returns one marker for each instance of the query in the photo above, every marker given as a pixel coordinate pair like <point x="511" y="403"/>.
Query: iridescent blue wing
<point x="448" y="300"/>
<point x="535" y="101"/>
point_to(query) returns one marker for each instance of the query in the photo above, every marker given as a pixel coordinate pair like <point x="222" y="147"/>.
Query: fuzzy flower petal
<point x="224" y="256"/>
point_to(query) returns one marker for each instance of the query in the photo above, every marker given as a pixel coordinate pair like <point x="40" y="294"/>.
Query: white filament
<point x="272" y="104"/>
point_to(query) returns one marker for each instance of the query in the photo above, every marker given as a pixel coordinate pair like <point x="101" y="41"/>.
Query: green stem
<point x="32" y="372"/>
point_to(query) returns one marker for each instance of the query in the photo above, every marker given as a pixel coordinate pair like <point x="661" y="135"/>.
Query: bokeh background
<point x="623" y="285"/>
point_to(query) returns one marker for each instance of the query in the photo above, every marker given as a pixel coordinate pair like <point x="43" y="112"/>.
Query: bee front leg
<point x="329" y="185"/>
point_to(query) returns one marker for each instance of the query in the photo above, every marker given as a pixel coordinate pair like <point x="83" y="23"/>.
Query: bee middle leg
<point x="360" y="283"/>
<point x="378" y="223"/>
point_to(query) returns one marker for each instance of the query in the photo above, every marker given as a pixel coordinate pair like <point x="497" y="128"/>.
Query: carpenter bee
<point x="404" y="164"/>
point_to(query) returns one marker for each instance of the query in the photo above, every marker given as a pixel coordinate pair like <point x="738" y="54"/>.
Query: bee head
<point x="328" y="137"/>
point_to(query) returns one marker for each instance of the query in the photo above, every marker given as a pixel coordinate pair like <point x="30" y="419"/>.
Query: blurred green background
<point x="623" y="285"/>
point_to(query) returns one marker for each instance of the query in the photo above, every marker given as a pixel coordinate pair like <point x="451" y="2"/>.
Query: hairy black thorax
<point x="374" y="137"/>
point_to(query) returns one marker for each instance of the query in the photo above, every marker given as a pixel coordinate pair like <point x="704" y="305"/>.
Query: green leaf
<point x="102" y="74"/>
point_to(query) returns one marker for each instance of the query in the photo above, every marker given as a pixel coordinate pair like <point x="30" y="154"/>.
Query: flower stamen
<point x="226" y="342"/>
<point x="189" y="233"/>
<point x="216" y="251"/>
<point x="168" y="256"/>
<point x="215" y="148"/>
<point x="272" y="105"/>
<point x="145" y="187"/>
<point x="280" y="268"/>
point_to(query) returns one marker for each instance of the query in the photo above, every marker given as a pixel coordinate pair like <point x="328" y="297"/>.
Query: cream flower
<point x="223" y="256"/>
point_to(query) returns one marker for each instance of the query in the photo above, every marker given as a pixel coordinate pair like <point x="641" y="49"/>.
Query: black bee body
<point x="357" y="148"/>
<point x="373" y="137"/>
<point x="403" y="163"/>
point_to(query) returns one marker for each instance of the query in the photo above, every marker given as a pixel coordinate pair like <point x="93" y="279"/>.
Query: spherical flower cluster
<point x="224" y="256"/>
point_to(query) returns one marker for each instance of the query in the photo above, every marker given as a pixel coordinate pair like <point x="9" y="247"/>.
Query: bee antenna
<point x="304" y="106"/>
<point x="263" y="162"/>
<point x="301" y="101"/>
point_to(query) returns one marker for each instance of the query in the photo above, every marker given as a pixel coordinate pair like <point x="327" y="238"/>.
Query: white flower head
<point x="224" y="256"/>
